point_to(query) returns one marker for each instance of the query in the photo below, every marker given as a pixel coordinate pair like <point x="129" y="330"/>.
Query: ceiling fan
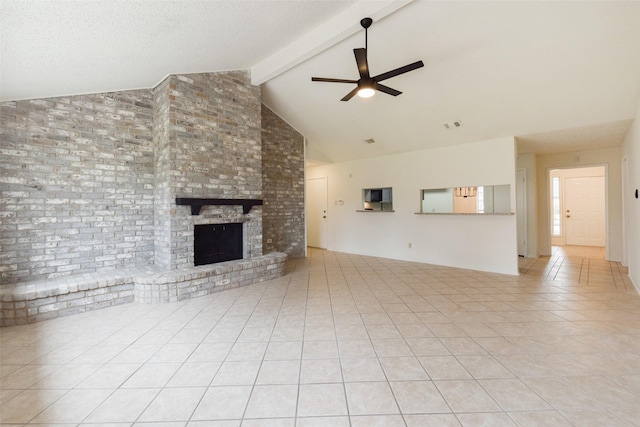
<point x="367" y="85"/>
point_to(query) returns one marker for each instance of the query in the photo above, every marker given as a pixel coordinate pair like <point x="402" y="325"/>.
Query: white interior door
<point x="521" y="210"/>
<point x="584" y="211"/>
<point x="317" y="212"/>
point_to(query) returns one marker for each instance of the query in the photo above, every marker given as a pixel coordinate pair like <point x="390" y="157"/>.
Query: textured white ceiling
<point x="62" y="47"/>
<point x="558" y="75"/>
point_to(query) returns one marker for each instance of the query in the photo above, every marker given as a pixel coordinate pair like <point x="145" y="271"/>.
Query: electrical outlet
<point x="269" y="240"/>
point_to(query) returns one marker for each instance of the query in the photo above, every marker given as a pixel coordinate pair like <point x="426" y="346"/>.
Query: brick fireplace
<point x="207" y="133"/>
<point x="89" y="184"/>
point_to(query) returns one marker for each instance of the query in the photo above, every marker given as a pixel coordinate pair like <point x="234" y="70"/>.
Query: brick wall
<point x="76" y="176"/>
<point x="88" y="183"/>
<point x="162" y="175"/>
<point x="283" y="183"/>
<point x="212" y="122"/>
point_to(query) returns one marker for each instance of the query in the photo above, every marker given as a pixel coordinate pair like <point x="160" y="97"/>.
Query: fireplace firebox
<point x="217" y="243"/>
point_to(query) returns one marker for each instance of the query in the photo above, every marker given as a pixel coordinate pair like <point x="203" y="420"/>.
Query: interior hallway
<point x="578" y="265"/>
<point x="345" y="340"/>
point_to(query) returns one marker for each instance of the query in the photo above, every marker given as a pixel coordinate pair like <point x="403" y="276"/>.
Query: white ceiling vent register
<point x="453" y="125"/>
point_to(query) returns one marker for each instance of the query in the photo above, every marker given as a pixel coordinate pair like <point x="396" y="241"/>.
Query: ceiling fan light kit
<point x="366" y="92"/>
<point x="367" y="85"/>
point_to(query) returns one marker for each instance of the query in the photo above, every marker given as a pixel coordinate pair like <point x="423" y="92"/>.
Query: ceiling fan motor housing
<point x="367" y="85"/>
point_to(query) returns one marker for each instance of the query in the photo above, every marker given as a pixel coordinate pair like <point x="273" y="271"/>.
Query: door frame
<point x="625" y="188"/>
<point x="606" y="202"/>
<point x="522" y="212"/>
<point x="326" y="204"/>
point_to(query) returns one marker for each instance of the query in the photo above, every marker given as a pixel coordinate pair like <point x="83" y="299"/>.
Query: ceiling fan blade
<point x="350" y="94"/>
<point x="361" y="60"/>
<point x="398" y="71"/>
<point x="329" y="80"/>
<point x="387" y="89"/>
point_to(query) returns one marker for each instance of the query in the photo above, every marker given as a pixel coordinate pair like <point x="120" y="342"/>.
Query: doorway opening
<point x="317" y="205"/>
<point x="578" y="207"/>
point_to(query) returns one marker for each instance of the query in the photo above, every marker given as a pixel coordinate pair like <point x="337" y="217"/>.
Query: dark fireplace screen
<point x="217" y="243"/>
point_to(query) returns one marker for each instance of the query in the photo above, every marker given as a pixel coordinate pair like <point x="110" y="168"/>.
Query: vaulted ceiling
<point x="558" y="75"/>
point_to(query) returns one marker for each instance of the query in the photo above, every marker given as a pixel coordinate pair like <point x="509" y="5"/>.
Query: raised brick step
<point x="48" y="299"/>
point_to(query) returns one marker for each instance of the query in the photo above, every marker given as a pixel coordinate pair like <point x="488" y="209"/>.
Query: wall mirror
<point x="487" y="199"/>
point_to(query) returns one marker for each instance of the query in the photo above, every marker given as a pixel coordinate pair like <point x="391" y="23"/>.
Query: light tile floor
<point x="578" y="265"/>
<point x="345" y="340"/>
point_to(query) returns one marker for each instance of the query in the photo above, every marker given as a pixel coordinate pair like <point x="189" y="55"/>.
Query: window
<point x="555" y="206"/>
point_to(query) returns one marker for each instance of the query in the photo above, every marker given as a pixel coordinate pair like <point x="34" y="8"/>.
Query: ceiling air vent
<point x="453" y="125"/>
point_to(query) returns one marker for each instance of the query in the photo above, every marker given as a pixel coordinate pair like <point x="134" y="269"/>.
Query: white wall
<point x="631" y="158"/>
<point x="487" y="243"/>
<point x="608" y="157"/>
